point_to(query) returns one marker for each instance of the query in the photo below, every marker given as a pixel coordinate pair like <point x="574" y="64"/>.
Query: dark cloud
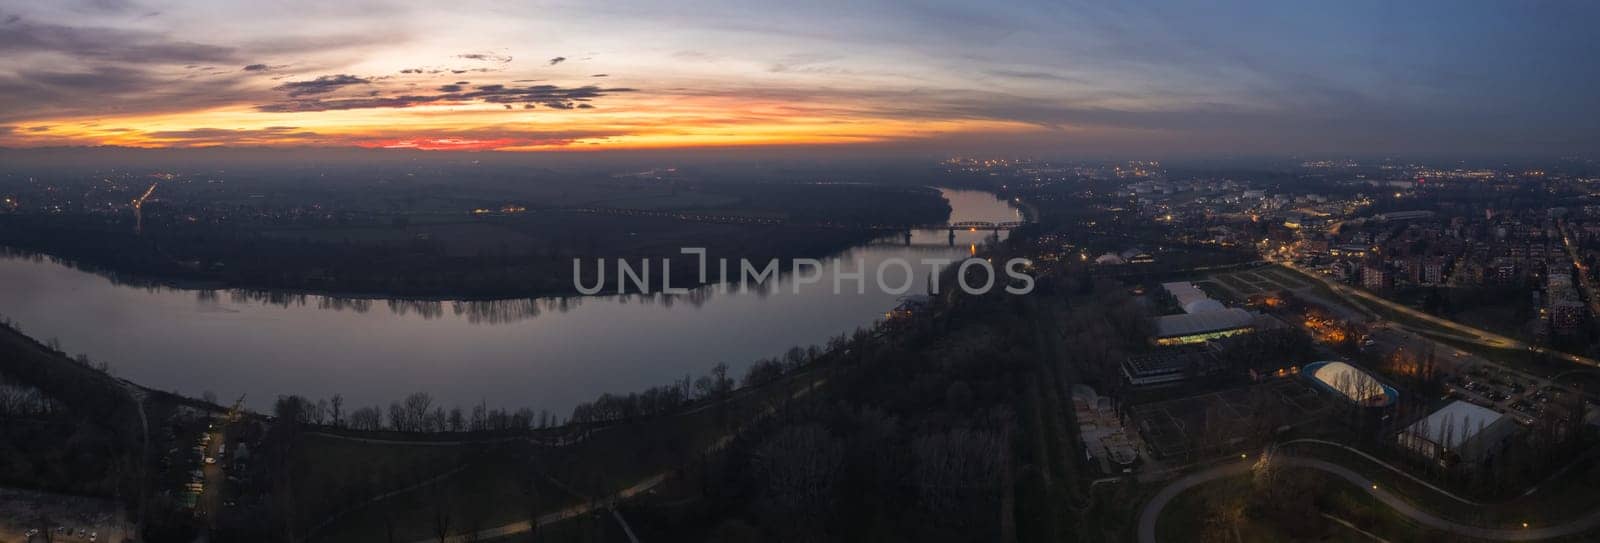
<point x="321" y="85"/>
<point x="487" y="57"/>
<point x="1038" y="76"/>
<point x="557" y="60"/>
<point x="551" y="96"/>
<point x="448" y="70"/>
<point x="450" y="88"/>
<point x="109" y="6"/>
<point x="257" y="68"/>
<point x="227" y="136"/>
<point x="111" y="89"/>
<point x="18" y="37"/>
<point x="40" y="128"/>
<point x="483" y="138"/>
<point x="601" y="75"/>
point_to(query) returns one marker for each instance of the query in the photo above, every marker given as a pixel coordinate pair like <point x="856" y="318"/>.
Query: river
<point x="546" y="353"/>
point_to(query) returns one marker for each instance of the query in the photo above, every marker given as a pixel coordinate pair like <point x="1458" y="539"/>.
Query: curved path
<point x="1152" y="510"/>
<point x="1390" y="467"/>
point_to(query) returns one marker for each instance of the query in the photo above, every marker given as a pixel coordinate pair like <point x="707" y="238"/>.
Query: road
<point x="1467" y="333"/>
<point x="137" y="395"/>
<point x="1583" y="271"/>
<point x="210" y="502"/>
<point x="1152" y="510"/>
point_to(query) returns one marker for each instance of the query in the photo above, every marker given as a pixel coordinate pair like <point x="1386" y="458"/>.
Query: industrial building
<point x="1171" y="365"/>
<point x="1199" y="327"/>
<point x="1191" y="298"/>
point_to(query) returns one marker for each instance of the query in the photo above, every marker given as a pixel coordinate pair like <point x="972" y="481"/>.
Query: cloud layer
<point x="1037" y="75"/>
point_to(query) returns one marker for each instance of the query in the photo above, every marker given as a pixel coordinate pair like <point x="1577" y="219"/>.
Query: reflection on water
<point x="546" y="353"/>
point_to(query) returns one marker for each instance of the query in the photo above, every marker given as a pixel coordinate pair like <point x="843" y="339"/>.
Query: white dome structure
<point x="1349" y="381"/>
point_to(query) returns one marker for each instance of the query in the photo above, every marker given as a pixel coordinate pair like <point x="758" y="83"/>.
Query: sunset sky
<point x="588" y="75"/>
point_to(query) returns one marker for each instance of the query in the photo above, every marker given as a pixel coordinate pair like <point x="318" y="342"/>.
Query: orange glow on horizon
<point x="625" y="124"/>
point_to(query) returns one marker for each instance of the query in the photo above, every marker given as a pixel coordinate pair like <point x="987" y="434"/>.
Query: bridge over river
<point x="952" y="228"/>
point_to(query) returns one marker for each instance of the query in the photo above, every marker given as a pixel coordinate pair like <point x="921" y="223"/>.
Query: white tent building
<point x="1462" y="431"/>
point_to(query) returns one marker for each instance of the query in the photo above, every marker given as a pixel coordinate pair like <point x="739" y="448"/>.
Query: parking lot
<point x="1478" y="380"/>
<point x="25" y="515"/>
<point x="1521" y="397"/>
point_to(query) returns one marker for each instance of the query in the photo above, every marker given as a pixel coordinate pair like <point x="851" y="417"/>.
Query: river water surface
<point x="546" y="353"/>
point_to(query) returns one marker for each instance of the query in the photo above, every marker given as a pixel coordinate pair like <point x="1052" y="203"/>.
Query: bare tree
<point x="367" y="418"/>
<point x="441" y="519"/>
<point x="457" y="421"/>
<point x="397" y="418"/>
<point x="336" y="403"/>
<point x="416" y="410"/>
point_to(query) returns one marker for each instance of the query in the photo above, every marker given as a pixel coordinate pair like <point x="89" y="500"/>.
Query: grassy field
<point x="491" y="490"/>
<point x="1282" y="277"/>
<point x="333" y="475"/>
<point x="1218" y="292"/>
<point x="1238" y="285"/>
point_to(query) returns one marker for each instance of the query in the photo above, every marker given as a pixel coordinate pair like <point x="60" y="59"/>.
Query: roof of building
<point x="1203" y="306"/>
<point x="1200" y="323"/>
<point x="1454" y="424"/>
<point x="1109" y="258"/>
<point x="1171" y="360"/>
<point x="1350" y="381"/>
<point x="1191" y="298"/>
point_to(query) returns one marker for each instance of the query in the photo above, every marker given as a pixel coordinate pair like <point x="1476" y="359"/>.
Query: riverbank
<point x="684" y="274"/>
<point x="539" y="353"/>
<point x="472" y="254"/>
